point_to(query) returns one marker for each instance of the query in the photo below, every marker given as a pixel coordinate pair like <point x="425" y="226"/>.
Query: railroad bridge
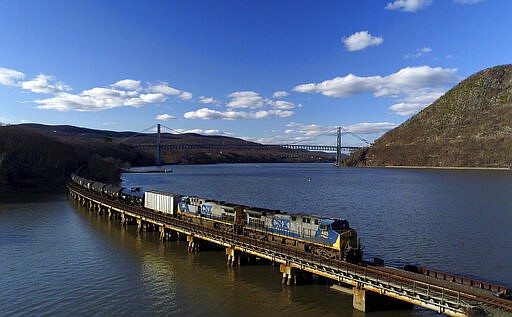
<point x="373" y="287"/>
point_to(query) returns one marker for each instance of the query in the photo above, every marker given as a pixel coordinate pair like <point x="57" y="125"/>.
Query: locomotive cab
<point x="339" y="225"/>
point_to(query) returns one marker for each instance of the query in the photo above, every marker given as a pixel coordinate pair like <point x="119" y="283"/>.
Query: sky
<point x="266" y="71"/>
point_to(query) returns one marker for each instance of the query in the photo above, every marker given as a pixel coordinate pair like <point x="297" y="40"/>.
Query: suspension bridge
<point x="158" y="146"/>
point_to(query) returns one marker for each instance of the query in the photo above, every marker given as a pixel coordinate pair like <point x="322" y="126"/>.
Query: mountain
<point x="196" y="148"/>
<point x="35" y="155"/>
<point x="469" y="126"/>
<point x="29" y="158"/>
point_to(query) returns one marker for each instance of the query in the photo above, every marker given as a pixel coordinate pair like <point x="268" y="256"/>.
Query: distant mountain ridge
<point x="233" y="149"/>
<point x="36" y="155"/>
<point x="72" y="131"/>
<point x="469" y="126"/>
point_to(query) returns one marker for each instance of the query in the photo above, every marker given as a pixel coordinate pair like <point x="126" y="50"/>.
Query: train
<point x="330" y="238"/>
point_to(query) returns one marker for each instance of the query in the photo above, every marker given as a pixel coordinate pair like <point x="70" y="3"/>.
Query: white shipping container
<point x="160" y="201"/>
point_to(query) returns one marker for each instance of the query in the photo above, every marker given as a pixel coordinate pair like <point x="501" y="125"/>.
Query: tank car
<point x="132" y="197"/>
<point x="97" y="187"/>
<point x="112" y="191"/>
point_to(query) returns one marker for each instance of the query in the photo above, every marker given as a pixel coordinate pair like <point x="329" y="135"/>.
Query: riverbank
<point x="450" y="168"/>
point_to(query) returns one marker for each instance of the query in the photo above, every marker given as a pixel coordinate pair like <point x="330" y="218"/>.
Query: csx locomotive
<point x="327" y="237"/>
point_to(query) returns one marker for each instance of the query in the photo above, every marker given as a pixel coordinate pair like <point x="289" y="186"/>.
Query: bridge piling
<point x="163" y="236"/>
<point x="367" y="301"/>
<point x="289" y="274"/>
<point x="193" y="245"/>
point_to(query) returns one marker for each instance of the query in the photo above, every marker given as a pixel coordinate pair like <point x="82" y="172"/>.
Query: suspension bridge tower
<point x="338" y="147"/>
<point x="158" y="146"/>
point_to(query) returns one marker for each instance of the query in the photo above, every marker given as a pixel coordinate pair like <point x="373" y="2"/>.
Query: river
<point x="59" y="259"/>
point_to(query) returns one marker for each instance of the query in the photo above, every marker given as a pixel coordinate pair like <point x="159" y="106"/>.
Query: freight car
<point x="132" y="197"/>
<point x="160" y="201"/>
<point x="328" y="237"/>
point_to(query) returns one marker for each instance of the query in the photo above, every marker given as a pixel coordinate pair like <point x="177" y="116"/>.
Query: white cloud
<point x="123" y="93"/>
<point x="205" y="114"/>
<point x="41" y="85"/>
<point x="370" y="127"/>
<point x="361" y="40"/>
<point x="310" y="130"/>
<point x="467" y="1"/>
<point x="208" y="100"/>
<point x="165" y="117"/>
<point x="341" y="86"/>
<point x="410" y="80"/>
<point x="279" y="140"/>
<point x="406" y="109"/>
<point x="246" y="99"/>
<point x="256" y="107"/>
<point x="279" y="94"/>
<point x="95" y="99"/>
<point x="209" y="114"/>
<point x="408" y="84"/>
<point x="128" y="84"/>
<point x="98" y="99"/>
<point x="185" y="95"/>
<point x="252" y="100"/>
<point x="205" y="132"/>
<point x="419" y="52"/>
<point x="165" y="89"/>
<point x="408" y="5"/>
<point x="10" y="77"/>
<point x="152" y="98"/>
<point x="283" y="105"/>
<point x="120" y="94"/>
<point x="4" y="120"/>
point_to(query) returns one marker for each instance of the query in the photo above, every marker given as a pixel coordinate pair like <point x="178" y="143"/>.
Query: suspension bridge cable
<point x="172" y="130"/>
<point x="137" y="133"/>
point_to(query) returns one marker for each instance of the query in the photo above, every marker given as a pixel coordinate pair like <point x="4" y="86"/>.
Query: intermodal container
<point x="160" y="201"/>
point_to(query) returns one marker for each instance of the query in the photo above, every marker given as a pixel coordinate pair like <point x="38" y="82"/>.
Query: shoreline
<point x="449" y="167"/>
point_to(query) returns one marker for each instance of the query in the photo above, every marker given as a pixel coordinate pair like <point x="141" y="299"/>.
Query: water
<point x="59" y="259"/>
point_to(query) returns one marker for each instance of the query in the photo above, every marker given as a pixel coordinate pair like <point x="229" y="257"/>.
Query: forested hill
<point x="469" y="126"/>
<point x="32" y="159"/>
<point x="35" y="155"/>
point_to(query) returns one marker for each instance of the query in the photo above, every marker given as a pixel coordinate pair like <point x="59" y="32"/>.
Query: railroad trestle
<point x="440" y="296"/>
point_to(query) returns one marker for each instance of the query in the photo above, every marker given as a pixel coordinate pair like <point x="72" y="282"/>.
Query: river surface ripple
<point x="57" y="258"/>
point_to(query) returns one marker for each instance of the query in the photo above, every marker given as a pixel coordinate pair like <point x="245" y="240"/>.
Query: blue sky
<point x="267" y="71"/>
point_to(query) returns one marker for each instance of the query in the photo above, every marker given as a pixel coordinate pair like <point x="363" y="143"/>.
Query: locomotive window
<point x="339" y="225"/>
<point x="316" y="221"/>
<point x="294" y="218"/>
<point x="303" y="219"/>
